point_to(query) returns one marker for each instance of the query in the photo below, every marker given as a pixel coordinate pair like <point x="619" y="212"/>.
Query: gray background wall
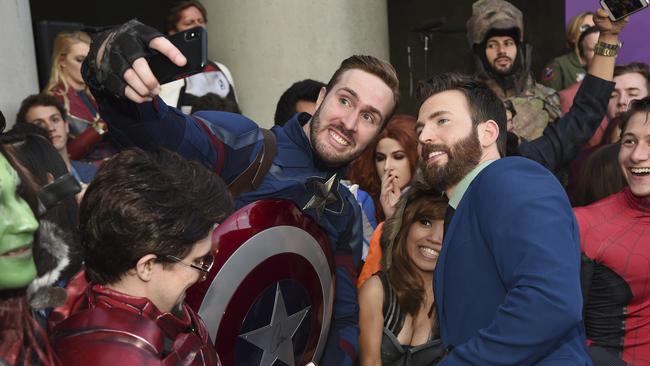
<point x="17" y="58"/>
<point x="270" y="44"/>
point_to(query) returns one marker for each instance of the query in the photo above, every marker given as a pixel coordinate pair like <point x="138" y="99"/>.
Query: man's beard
<point x="462" y="157"/>
<point x="320" y="148"/>
<point x="503" y="71"/>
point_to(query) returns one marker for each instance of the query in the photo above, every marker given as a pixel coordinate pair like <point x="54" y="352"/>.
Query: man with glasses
<point x="146" y="224"/>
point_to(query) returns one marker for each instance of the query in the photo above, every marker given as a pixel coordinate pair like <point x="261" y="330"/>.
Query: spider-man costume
<point x="615" y="242"/>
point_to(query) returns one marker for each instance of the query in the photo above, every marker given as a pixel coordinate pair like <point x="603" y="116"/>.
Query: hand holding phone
<point x="193" y="44"/>
<point x="619" y="9"/>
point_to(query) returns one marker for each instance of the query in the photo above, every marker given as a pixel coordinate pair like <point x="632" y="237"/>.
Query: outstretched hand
<point x="116" y="62"/>
<point x="142" y="85"/>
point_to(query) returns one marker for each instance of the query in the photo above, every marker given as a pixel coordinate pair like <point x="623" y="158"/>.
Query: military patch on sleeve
<point x="547" y="73"/>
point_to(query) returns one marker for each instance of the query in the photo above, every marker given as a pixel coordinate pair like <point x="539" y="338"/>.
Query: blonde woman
<point x="87" y="141"/>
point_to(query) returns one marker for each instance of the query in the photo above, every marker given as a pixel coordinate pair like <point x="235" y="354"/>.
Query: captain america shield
<point x="268" y="298"/>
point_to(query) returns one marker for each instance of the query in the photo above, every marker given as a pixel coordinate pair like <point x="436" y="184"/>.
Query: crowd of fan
<point x="585" y="120"/>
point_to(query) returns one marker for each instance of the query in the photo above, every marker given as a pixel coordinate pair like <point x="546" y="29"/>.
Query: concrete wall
<point x="634" y="36"/>
<point x="270" y="44"/>
<point x="17" y="60"/>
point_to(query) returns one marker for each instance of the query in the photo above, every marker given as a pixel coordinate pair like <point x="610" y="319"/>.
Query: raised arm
<point x="126" y="91"/>
<point x="563" y="140"/>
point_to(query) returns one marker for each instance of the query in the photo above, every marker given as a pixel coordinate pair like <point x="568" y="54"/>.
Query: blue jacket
<point x="507" y="283"/>
<point x="83" y="172"/>
<point x="227" y="146"/>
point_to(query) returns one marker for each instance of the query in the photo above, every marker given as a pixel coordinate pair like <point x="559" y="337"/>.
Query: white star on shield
<point x="323" y="195"/>
<point x="275" y="339"/>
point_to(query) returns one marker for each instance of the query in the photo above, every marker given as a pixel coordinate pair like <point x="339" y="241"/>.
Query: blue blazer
<point x="507" y="283"/>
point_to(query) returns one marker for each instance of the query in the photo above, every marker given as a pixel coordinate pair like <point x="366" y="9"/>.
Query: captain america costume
<point x="227" y="143"/>
<point x="615" y="241"/>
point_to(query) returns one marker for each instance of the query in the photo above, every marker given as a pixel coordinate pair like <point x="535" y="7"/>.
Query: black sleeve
<point x="586" y="274"/>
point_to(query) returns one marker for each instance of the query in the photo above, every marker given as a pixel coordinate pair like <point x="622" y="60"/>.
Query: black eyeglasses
<point x="204" y="267"/>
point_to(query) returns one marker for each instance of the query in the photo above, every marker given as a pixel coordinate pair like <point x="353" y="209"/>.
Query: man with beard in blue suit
<point x="507" y="283"/>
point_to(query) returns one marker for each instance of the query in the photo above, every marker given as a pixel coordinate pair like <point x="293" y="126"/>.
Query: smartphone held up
<point x="193" y="44"/>
<point x="619" y="9"/>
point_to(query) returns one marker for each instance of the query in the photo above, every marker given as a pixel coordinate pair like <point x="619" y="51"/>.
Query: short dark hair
<point x="583" y="35"/>
<point x="176" y="10"/>
<point x="34" y="100"/>
<point x="307" y="89"/>
<point x="147" y="202"/>
<point x="634" y="67"/>
<point x="374" y="66"/>
<point x="482" y="102"/>
<point x="636" y="106"/>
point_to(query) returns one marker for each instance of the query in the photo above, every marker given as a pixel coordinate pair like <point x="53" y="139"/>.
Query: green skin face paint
<point x="17" y="227"/>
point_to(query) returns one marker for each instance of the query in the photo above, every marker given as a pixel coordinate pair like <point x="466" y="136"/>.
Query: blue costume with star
<point x="227" y="143"/>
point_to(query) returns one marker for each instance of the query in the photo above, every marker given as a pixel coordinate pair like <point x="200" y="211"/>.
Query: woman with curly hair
<point x="396" y="305"/>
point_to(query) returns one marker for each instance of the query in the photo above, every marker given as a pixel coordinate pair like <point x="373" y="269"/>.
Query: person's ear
<point x="50" y="177"/>
<point x="67" y="125"/>
<point x="488" y="133"/>
<point x="145" y="267"/>
<point x="321" y="97"/>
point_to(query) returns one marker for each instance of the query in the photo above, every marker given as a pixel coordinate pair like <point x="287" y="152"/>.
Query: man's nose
<point x="350" y="121"/>
<point x="641" y="153"/>
<point x="427" y="136"/>
<point x="623" y="100"/>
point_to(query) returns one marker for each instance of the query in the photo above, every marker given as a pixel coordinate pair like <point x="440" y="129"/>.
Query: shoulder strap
<point x="393" y="315"/>
<point x="251" y="178"/>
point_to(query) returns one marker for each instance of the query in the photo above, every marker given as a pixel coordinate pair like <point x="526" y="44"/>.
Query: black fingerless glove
<point x="112" y="52"/>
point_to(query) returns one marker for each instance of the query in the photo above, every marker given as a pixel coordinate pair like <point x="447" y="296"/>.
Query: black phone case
<point x="193" y="44"/>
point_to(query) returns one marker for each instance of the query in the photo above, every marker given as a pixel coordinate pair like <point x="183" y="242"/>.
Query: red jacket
<point x="106" y="327"/>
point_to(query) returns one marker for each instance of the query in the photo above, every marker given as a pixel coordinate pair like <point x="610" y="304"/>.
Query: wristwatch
<point x="607" y="49"/>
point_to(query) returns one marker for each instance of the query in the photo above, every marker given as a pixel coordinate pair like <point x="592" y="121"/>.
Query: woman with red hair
<point x="388" y="164"/>
<point x="385" y="170"/>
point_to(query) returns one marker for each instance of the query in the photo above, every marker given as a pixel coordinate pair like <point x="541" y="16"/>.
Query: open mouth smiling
<point x="640" y="171"/>
<point x="338" y="138"/>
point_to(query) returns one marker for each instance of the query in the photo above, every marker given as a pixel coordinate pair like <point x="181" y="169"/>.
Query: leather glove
<point x="112" y="52"/>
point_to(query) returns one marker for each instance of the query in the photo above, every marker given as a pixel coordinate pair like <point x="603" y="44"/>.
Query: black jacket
<point x="562" y="140"/>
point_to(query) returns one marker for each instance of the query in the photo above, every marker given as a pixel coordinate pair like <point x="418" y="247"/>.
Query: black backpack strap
<point x="252" y="176"/>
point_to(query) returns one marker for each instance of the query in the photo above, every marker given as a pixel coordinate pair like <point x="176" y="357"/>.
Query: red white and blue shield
<point x="268" y="298"/>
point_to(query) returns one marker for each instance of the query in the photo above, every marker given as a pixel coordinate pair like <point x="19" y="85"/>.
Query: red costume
<point x="22" y="340"/>
<point x="615" y="238"/>
<point x="86" y="142"/>
<point x="106" y="327"/>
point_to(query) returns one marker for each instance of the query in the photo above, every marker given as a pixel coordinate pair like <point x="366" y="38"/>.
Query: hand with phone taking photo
<point x="118" y="65"/>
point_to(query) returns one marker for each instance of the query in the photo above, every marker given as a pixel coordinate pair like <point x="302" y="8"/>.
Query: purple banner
<point x="635" y="35"/>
